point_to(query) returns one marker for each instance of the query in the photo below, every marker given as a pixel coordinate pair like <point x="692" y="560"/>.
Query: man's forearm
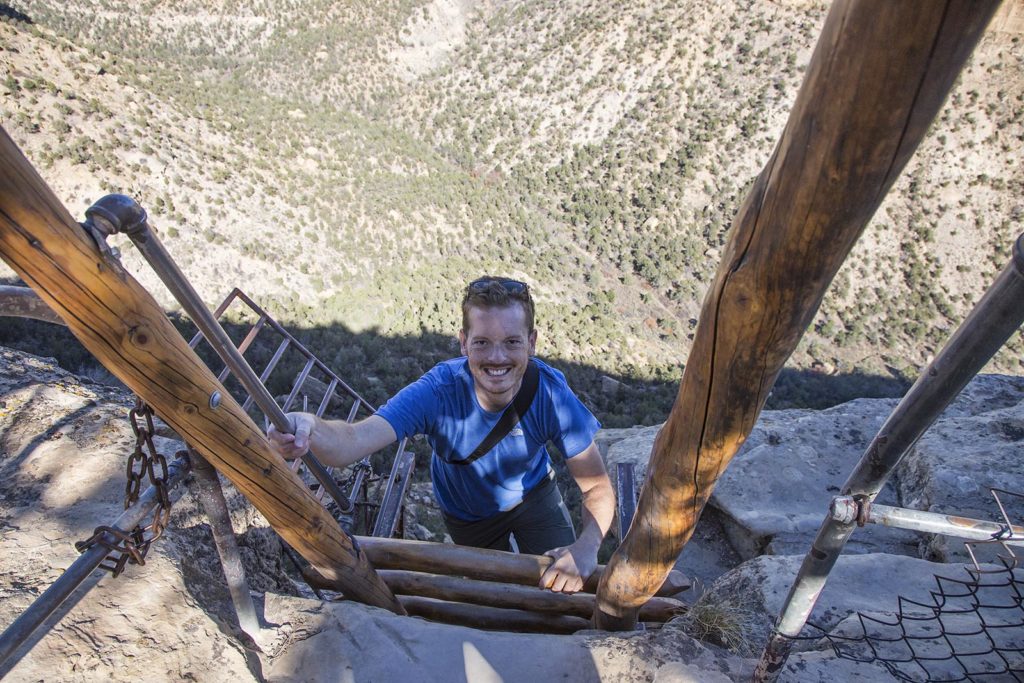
<point x="598" y="512"/>
<point x="587" y="469"/>
<point x="333" y="444"/>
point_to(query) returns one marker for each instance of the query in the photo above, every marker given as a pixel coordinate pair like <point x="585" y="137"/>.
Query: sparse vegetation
<point x="352" y="172"/>
<point x="724" y="621"/>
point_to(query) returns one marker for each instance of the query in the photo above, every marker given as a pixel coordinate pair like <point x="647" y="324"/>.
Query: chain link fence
<point x="970" y="628"/>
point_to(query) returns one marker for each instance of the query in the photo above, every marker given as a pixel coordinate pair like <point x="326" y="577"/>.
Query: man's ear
<point x="533" y="342"/>
<point x="462" y="343"/>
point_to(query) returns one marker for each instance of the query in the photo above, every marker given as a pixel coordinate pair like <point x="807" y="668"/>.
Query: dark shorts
<point x="541" y="522"/>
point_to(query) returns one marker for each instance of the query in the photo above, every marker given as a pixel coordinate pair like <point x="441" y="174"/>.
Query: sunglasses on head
<point x="511" y="286"/>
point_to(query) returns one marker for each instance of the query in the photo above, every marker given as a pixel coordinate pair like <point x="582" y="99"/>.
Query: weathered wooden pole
<point x="23" y="302"/>
<point x="123" y="326"/>
<point x="878" y="76"/>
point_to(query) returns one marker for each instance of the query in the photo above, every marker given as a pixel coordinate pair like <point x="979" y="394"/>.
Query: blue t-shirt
<point x="443" y="405"/>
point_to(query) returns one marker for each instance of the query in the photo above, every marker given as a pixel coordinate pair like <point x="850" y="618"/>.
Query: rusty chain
<point x="145" y="463"/>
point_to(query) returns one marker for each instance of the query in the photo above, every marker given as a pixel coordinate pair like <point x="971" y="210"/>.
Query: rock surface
<point x="866" y="583"/>
<point x="367" y="644"/>
<point x="63" y="445"/>
<point x="62" y="454"/>
<point x="63" y="442"/>
<point x="881" y="609"/>
<point x="775" y="493"/>
<point x="976" y="446"/>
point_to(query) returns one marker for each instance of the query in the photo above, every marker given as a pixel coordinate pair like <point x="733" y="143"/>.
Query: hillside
<point x="352" y="165"/>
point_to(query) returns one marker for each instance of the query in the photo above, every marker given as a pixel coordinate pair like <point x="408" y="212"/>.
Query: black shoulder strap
<point x="513" y="413"/>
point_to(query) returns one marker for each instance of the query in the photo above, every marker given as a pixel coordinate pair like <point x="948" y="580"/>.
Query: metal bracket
<point x="625" y="495"/>
<point x="110" y="215"/>
<point x="398" y="483"/>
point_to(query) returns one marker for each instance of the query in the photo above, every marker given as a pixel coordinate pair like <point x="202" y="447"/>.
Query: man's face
<point x="498" y="346"/>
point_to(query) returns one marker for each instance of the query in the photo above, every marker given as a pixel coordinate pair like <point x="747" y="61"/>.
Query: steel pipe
<point x="989" y="324"/>
<point x="116" y="213"/>
<point x="51" y="599"/>
<point x="845" y="509"/>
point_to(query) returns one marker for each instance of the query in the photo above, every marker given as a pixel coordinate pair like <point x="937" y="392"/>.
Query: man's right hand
<point x="337" y="443"/>
<point x="292" y="446"/>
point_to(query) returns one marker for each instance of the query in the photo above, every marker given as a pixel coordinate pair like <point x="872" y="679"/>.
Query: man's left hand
<point x="573" y="565"/>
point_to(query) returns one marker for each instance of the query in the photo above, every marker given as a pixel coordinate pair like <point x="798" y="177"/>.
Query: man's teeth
<point x="497" y="372"/>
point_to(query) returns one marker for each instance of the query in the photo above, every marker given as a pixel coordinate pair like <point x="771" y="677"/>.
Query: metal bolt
<point x="843" y="509"/>
<point x="215" y="400"/>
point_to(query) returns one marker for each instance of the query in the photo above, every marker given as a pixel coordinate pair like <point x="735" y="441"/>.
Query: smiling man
<point x="488" y="416"/>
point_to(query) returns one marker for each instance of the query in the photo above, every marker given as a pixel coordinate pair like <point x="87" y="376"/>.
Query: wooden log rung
<point x="513" y="596"/>
<point x="491" y="618"/>
<point x="479" y="563"/>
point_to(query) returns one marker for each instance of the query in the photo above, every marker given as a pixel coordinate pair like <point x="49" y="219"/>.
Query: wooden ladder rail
<point x="877" y="78"/>
<point x="121" y="324"/>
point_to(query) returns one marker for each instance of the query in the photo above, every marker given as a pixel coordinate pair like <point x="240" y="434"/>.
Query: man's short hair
<point x="496" y="292"/>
